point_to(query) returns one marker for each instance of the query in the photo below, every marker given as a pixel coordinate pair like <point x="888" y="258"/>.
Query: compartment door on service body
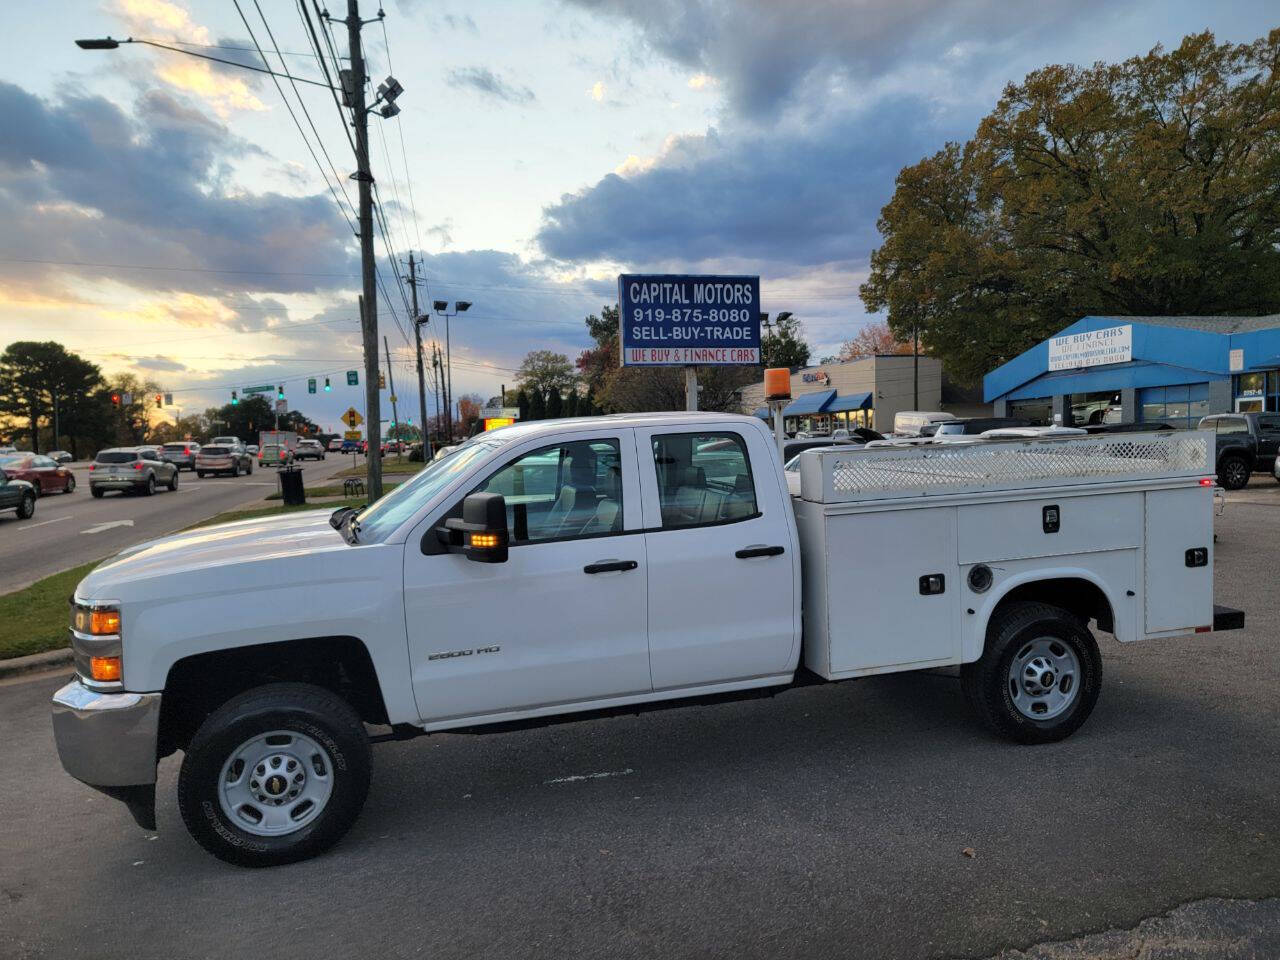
<point x="721" y="557"/>
<point x="562" y="621"/>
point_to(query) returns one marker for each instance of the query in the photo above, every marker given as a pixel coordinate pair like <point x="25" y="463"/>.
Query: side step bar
<point x="1227" y="618"/>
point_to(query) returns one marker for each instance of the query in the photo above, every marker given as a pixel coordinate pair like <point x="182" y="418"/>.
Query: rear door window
<point x="117" y="456"/>
<point x="703" y="478"/>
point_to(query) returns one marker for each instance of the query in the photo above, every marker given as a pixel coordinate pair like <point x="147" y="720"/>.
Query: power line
<point x="315" y="43"/>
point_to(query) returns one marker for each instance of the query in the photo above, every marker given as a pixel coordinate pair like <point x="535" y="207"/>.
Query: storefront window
<point x="1038" y="410"/>
<point x="1180" y="406"/>
<point x="1092" y="408"/>
<point x="1255" y="392"/>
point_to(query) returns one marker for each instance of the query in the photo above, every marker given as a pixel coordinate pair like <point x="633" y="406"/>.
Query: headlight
<point x="95" y="642"/>
<point x="95" y="621"/>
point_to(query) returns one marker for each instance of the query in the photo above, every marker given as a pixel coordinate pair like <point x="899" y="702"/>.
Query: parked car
<point x="232" y="459"/>
<point x="197" y="642"/>
<point x="908" y="423"/>
<point x="335" y="445"/>
<point x="17" y="495"/>
<point x="181" y="453"/>
<point x="60" y="456"/>
<point x="973" y="426"/>
<point x="4" y="450"/>
<point x="135" y="469"/>
<point x="40" y="471"/>
<point x="274" y="455"/>
<point x="308" y="450"/>
<point x="1246" y="442"/>
<point x="253" y="449"/>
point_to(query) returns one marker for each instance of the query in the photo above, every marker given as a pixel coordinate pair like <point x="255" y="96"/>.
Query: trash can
<point x="292" y="492"/>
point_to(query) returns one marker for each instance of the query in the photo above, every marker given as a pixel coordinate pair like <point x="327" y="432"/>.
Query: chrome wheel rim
<point x="1044" y="678"/>
<point x="275" y="783"/>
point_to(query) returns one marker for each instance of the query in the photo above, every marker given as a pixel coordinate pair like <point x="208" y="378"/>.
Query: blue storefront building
<point x="1171" y="370"/>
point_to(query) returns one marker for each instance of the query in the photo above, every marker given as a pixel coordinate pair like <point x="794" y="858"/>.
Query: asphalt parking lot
<point x="866" y="819"/>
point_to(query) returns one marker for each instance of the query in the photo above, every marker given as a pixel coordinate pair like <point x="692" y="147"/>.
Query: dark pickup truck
<point x="1246" y="442"/>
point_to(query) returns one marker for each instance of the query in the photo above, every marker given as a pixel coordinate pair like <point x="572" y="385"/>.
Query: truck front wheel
<point x="275" y="775"/>
<point x="1233" y="473"/>
<point x="1039" y="676"/>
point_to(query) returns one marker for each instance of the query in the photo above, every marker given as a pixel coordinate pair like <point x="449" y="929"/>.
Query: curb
<point x="34" y="663"/>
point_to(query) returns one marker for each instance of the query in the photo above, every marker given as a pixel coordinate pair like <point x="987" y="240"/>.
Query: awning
<point x="809" y="403"/>
<point x="854" y="401"/>
<point x="762" y="413"/>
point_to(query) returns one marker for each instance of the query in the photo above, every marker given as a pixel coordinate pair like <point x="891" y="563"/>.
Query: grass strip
<point x="35" y="618"/>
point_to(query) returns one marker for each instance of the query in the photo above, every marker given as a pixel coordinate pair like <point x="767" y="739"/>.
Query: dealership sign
<point x="1091" y="348"/>
<point x="671" y="320"/>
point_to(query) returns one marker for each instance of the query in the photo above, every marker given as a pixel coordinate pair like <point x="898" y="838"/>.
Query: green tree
<point x="522" y="403"/>
<point x="43" y="381"/>
<point x="1141" y="188"/>
<point x="555" y="404"/>
<point x="571" y="404"/>
<point x="784" y="344"/>
<point x="545" y="370"/>
<point x="537" y="406"/>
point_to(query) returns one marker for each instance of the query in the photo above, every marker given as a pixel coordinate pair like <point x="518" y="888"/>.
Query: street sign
<point x="168" y="399"/>
<point x="351" y="435"/>
<point x="393" y="398"/>
<point x="311" y="384"/>
<point x="353" y="378"/>
<point x="261" y="388"/>
<point x="282" y="406"/>
<point x="672" y="320"/>
<point x="126" y="398"/>
<point x="352" y="418"/>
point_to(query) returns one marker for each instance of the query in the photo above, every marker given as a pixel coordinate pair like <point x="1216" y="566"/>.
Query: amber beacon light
<point x="777" y="383"/>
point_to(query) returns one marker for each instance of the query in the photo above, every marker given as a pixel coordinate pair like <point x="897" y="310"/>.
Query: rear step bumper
<point x="1227" y="618"/>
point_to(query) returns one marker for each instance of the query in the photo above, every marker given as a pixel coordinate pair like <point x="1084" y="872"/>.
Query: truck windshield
<point x="378" y="520"/>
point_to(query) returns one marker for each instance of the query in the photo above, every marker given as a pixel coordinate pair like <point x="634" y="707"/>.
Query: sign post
<point x="675" y="320"/>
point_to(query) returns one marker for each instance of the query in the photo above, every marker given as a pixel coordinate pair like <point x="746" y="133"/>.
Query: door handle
<point x="746" y="553"/>
<point x="609" y="566"/>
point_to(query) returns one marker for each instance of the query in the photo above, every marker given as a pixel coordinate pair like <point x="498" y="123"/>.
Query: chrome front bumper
<point x="109" y="740"/>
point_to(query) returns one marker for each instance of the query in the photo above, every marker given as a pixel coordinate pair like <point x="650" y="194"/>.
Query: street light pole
<point x="442" y="308"/>
<point x="369" y="305"/>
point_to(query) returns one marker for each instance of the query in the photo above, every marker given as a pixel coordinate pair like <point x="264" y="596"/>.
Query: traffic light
<point x="234" y="399"/>
<point x="280" y="392"/>
<point x="382" y="380"/>
<point x="115" y="399"/>
<point x="327" y="388"/>
<point x="159" y="400"/>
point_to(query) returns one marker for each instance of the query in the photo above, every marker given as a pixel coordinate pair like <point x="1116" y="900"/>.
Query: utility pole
<point x="436" y="375"/>
<point x="417" y="339"/>
<point x="369" y="299"/>
<point x="391" y="382"/>
<point x="915" y="366"/>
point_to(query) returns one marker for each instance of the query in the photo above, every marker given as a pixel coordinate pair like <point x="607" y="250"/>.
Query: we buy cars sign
<point x="676" y="320"/>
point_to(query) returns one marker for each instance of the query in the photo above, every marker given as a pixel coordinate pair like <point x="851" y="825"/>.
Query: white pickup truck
<point x="616" y="564"/>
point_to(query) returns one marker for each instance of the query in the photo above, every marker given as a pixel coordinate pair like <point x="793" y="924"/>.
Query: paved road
<point x="829" y="822"/>
<point x="71" y="529"/>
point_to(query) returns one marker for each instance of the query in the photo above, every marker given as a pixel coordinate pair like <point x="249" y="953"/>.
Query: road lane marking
<point x="32" y="526"/>
<point x="578" y="778"/>
<point x="99" y="527"/>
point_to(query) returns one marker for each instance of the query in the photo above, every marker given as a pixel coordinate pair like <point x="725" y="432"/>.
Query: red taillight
<point x="186" y="450"/>
<point x="137" y="466"/>
<point x="91" y="466"/>
<point x="1206" y="481"/>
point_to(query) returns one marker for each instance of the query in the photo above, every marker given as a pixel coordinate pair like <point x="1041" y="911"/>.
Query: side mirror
<point x="481" y="533"/>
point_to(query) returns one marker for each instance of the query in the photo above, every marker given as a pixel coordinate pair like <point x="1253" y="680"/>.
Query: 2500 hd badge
<point x="462" y="653"/>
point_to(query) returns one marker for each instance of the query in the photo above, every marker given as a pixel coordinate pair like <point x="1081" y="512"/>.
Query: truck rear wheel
<point x="275" y="775"/>
<point x="1039" y="676"/>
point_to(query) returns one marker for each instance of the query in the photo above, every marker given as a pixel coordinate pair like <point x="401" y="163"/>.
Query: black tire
<point x="986" y="682"/>
<point x="235" y="470"/>
<point x="96" y="491"/>
<point x="305" y="709"/>
<point x="1233" y="473"/>
<point x="71" y="485"/>
<point x="173" y="483"/>
<point x="149" y="488"/>
<point x="27" y="506"/>
<point x="249" y="469"/>
<point x="200" y="474"/>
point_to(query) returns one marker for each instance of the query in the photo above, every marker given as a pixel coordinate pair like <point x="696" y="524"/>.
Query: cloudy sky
<point x="165" y="216"/>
